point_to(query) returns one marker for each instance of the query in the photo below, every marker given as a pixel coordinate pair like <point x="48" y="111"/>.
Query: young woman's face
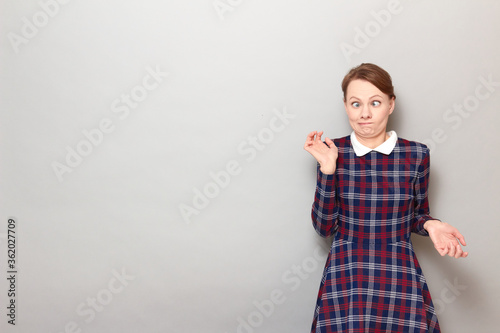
<point x="368" y="108"/>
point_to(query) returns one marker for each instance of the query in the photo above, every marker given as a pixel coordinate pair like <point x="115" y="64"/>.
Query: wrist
<point x="430" y="224"/>
<point x="327" y="171"/>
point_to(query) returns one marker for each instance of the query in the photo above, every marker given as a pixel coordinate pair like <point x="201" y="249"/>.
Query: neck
<point x="373" y="141"/>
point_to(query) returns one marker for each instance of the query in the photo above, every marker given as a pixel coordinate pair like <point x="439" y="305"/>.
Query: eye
<point x="355" y="104"/>
<point x="376" y="103"/>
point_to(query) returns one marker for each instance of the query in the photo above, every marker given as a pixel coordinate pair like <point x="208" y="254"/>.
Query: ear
<point x="392" y="104"/>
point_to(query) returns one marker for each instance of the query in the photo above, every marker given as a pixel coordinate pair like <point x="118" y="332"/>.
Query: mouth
<point x="365" y="124"/>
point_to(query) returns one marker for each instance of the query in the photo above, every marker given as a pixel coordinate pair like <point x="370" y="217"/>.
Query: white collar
<point x="385" y="148"/>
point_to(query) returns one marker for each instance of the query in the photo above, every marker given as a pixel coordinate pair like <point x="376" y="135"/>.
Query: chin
<point x="366" y="131"/>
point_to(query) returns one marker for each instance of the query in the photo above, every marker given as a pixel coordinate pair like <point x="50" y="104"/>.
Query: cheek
<point x="351" y="114"/>
<point x="384" y="117"/>
<point x="388" y="112"/>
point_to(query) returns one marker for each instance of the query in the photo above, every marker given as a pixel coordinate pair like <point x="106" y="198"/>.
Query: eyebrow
<point x="369" y="98"/>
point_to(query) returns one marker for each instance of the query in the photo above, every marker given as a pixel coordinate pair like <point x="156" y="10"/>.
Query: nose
<point x="366" y="112"/>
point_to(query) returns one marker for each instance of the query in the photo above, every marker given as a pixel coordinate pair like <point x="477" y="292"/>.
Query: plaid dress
<point x="372" y="281"/>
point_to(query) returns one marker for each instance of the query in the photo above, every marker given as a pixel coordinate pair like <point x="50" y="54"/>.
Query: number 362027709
<point x="11" y="243"/>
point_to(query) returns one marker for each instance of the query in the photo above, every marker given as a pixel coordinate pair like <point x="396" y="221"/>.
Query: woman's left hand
<point x="446" y="238"/>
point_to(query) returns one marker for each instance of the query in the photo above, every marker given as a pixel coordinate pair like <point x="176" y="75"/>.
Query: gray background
<point x="250" y="261"/>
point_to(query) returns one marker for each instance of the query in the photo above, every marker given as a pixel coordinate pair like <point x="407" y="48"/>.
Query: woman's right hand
<point x="325" y="154"/>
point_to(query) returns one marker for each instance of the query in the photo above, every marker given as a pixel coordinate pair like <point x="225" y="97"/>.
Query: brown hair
<point x="373" y="74"/>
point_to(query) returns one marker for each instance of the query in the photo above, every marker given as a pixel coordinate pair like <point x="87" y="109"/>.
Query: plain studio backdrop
<point x="152" y="161"/>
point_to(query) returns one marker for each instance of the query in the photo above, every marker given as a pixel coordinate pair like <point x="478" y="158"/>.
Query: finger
<point x="459" y="251"/>
<point x="329" y="142"/>
<point x="310" y="136"/>
<point x="461" y="238"/>
<point x="318" y="135"/>
<point x="452" y="250"/>
<point x="309" y="140"/>
<point x="442" y="251"/>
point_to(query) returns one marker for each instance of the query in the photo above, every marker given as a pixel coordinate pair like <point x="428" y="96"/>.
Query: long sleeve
<point x="421" y="208"/>
<point x="324" y="212"/>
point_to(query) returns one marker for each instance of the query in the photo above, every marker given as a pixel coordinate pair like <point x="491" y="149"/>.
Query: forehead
<point x="362" y="89"/>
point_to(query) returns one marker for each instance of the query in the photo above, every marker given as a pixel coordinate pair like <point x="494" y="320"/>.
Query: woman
<point x="371" y="194"/>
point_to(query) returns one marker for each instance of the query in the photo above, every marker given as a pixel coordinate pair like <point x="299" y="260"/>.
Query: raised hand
<point x="325" y="154"/>
<point x="446" y="238"/>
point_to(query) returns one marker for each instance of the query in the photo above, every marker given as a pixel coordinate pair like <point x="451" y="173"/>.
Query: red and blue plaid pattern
<point x="372" y="281"/>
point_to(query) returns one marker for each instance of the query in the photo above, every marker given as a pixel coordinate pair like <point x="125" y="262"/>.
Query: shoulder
<point x="418" y="152"/>
<point x="413" y="146"/>
<point x="344" y="141"/>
